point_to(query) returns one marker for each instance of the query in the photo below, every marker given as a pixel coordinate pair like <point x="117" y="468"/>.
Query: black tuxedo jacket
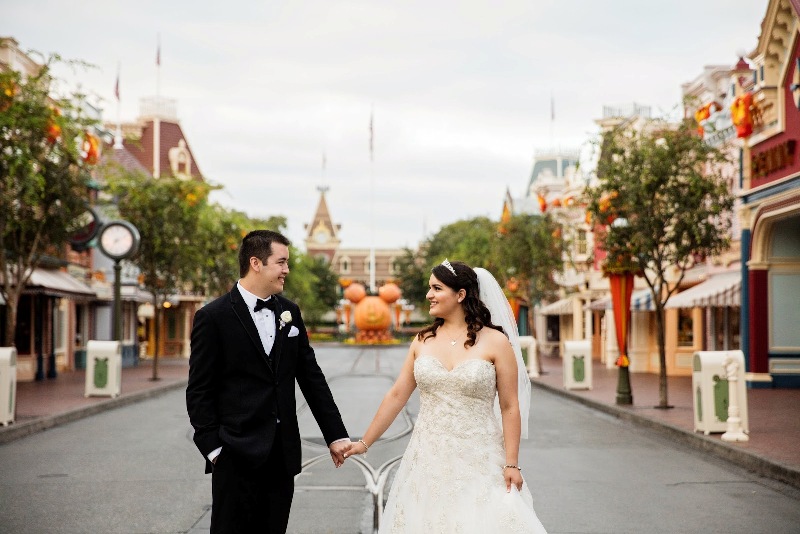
<point x="237" y="393"/>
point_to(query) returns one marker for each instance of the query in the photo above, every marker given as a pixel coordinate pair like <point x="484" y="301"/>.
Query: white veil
<point x="493" y="297"/>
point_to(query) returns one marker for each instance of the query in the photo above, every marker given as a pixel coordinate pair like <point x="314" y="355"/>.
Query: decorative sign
<point x="774" y="159"/>
<point x="795" y="87"/>
<point x="85" y="228"/>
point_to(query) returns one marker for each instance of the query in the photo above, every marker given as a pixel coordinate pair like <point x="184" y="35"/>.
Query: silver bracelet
<point x="364" y="443"/>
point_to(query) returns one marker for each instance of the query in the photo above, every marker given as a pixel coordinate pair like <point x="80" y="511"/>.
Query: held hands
<point x="338" y="451"/>
<point x="512" y="475"/>
<point x="356" y="447"/>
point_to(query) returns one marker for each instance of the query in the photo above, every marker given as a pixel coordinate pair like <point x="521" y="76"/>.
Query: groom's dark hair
<point x="258" y="243"/>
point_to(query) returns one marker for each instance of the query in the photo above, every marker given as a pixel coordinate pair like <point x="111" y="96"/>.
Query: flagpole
<point x="118" y="133"/>
<point x="158" y="113"/>
<point x="552" y="120"/>
<point x="371" y="203"/>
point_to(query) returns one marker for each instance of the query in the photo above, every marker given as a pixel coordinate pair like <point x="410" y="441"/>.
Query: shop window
<point x="685" y="328"/>
<point x="580" y="242"/>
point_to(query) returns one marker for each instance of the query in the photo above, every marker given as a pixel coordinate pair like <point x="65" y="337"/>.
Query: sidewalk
<point x="772" y="450"/>
<point x="52" y="402"/>
<point x="773" y="413"/>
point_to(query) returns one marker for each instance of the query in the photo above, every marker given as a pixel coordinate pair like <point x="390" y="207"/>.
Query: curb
<point x="17" y="431"/>
<point x="746" y="460"/>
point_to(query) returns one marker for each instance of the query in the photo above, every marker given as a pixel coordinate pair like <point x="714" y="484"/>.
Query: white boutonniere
<point x="285" y="318"/>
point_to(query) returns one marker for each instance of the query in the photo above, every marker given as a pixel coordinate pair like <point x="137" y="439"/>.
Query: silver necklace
<point x="454" y="341"/>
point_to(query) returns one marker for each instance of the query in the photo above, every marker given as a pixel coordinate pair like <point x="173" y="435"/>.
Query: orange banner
<point x="621" y="291"/>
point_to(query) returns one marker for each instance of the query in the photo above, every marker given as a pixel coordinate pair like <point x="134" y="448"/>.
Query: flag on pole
<point x="552" y="108"/>
<point x="323" y="161"/>
<point x="371" y="136"/>
<point x="116" y="86"/>
<point x="158" y="51"/>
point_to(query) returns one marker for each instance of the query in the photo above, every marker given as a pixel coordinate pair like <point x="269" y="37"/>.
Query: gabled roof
<point x="171" y="135"/>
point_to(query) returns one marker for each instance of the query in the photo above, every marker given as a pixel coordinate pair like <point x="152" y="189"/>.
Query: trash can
<point x="711" y="392"/>
<point x="578" y="364"/>
<point x="103" y="368"/>
<point x="8" y="384"/>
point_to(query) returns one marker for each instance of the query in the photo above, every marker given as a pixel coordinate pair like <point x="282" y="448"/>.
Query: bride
<point x="460" y="472"/>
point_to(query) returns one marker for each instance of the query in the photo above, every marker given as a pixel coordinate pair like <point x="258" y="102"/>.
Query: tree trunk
<point x="11" y="319"/>
<point x="156" y="337"/>
<point x="662" y="358"/>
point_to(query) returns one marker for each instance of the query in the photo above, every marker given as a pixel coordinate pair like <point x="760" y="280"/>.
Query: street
<point x="135" y="470"/>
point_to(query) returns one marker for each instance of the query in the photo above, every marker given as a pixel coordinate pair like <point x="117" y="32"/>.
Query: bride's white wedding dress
<point x="450" y="480"/>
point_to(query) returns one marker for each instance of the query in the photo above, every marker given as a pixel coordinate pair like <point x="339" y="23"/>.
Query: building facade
<point x="770" y="210"/>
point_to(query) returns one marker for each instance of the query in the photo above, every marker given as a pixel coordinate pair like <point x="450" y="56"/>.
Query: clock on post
<point x="118" y="240"/>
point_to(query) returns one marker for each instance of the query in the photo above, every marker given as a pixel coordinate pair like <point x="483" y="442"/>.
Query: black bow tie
<point x="270" y="304"/>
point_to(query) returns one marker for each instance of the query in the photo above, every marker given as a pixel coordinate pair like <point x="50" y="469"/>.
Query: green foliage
<point x="469" y="240"/>
<point x="663" y="188"/>
<point x="412" y="278"/>
<point x="661" y="203"/>
<point x="529" y="251"/>
<point x="43" y="178"/>
<point x="217" y="240"/>
<point x="313" y="285"/>
<point x="167" y="213"/>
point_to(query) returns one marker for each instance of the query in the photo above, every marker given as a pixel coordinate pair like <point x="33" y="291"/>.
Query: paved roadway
<point x="135" y="470"/>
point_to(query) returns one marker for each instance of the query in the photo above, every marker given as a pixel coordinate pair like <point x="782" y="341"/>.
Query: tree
<point x="412" y="276"/>
<point x="467" y="240"/>
<point x="43" y="178"/>
<point x="661" y="203"/>
<point x="167" y="213"/>
<point x="217" y="239"/>
<point x="312" y="284"/>
<point x="530" y="250"/>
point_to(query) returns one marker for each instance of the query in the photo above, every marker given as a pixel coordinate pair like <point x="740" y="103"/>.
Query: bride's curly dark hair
<point x="476" y="314"/>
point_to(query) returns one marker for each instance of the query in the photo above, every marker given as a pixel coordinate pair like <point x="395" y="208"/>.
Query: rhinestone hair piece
<point x="449" y="267"/>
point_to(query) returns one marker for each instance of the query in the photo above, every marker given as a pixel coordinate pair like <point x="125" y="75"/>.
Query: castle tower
<point x="322" y="238"/>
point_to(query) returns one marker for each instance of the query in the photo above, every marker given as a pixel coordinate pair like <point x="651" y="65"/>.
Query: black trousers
<point x="249" y="500"/>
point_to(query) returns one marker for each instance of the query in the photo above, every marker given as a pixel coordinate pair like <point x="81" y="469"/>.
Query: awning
<point x="559" y="307"/>
<point x="641" y="300"/>
<point x="57" y="284"/>
<point x="720" y="290"/>
<point x="128" y="293"/>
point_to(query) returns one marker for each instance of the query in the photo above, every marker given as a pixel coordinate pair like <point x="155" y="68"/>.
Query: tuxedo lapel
<point x="243" y="314"/>
<point x="275" y="354"/>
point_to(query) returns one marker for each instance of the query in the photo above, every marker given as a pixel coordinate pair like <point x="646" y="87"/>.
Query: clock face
<point x="321" y="236"/>
<point x="118" y="240"/>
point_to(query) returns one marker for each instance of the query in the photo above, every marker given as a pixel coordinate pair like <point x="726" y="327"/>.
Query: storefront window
<point x="685" y="327"/>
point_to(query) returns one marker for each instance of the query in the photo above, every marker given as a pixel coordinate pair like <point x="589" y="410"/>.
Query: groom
<point x="248" y="348"/>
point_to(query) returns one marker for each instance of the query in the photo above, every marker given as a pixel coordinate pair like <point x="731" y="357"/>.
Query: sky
<point x="462" y="95"/>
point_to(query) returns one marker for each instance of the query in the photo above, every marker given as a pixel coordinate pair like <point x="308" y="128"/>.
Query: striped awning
<point x="641" y="300"/>
<point x="559" y="307"/>
<point x="720" y="290"/>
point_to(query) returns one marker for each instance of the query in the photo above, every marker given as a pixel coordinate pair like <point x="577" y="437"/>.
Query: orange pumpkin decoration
<point x="355" y="293"/>
<point x="372" y="313"/>
<point x="389" y="293"/>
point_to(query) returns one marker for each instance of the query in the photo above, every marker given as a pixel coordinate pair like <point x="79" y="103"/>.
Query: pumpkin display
<point x="355" y="293"/>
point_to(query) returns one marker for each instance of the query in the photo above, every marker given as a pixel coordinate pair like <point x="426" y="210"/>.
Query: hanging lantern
<point x="742" y="115"/>
<point x="90" y="148"/>
<point x="542" y="203"/>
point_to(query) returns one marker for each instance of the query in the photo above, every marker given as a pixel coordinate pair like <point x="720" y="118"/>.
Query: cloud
<point x="461" y="91"/>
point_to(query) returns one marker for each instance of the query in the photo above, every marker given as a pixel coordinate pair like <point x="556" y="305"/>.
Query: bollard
<point x="735" y="431"/>
<point x="529" y="343"/>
